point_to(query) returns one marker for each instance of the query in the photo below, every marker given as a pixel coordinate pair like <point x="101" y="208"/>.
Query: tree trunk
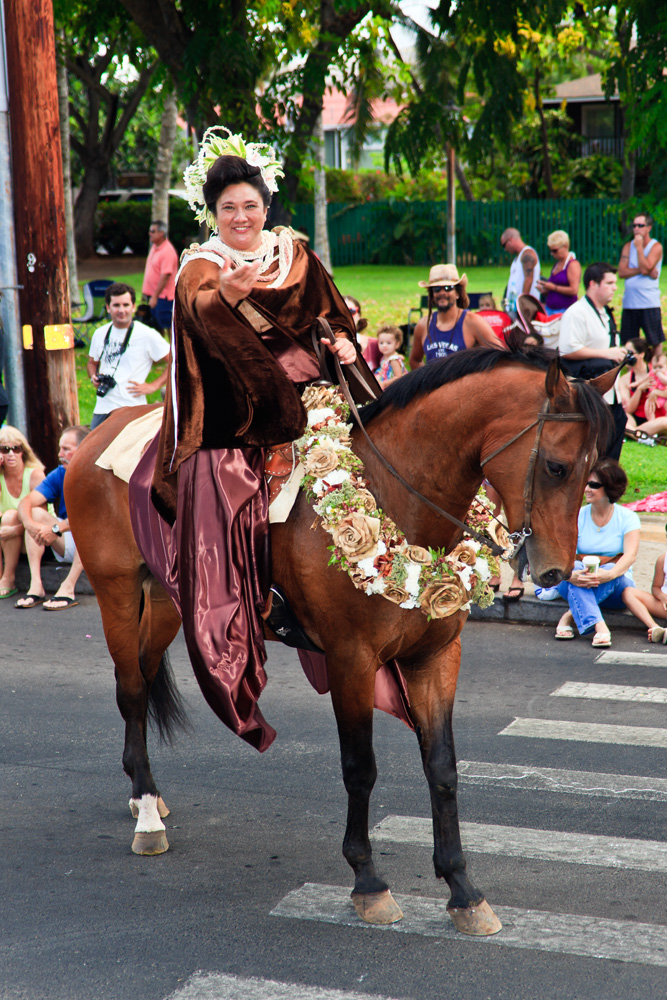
<point x="164" y="160"/>
<point x="546" y="158"/>
<point x="321" y="240"/>
<point x="63" y="107"/>
<point x="85" y="208"/>
<point x="463" y="180"/>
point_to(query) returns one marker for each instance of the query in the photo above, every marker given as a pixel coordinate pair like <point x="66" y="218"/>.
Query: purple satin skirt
<point x="215" y="565"/>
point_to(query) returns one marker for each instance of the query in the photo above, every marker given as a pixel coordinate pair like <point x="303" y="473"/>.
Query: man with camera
<point x="587" y="342"/>
<point x="122" y="354"/>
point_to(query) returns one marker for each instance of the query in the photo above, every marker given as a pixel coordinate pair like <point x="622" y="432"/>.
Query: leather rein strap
<point x="322" y="331"/>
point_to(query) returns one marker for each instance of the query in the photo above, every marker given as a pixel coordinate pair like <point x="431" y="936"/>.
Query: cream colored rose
<point x="440" y="600"/>
<point x="321" y="459"/>
<point x="418" y="554"/>
<point x="366" y="500"/>
<point x="465" y="554"/>
<point x="395" y="593"/>
<point x="316" y="397"/>
<point x="499" y="534"/>
<point x="357" y="536"/>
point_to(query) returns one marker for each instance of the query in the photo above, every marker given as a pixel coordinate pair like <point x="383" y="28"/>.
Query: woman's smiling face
<point x="240" y="214"/>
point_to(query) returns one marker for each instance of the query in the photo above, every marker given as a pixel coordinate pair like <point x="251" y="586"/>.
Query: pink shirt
<point x="161" y="259"/>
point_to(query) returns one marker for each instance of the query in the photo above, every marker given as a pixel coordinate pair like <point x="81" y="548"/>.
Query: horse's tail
<point x="166" y="707"/>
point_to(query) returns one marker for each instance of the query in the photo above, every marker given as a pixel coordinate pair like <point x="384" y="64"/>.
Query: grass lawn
<point x="386" y="295"/>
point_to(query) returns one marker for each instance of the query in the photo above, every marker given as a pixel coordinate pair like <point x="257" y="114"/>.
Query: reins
<point x="517" y="537"/>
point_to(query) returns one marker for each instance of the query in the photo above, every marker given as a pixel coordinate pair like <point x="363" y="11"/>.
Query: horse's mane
<point x="435" y="374"/>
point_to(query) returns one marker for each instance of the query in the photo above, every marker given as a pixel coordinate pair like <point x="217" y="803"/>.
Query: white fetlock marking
<point x="149" y="818"/>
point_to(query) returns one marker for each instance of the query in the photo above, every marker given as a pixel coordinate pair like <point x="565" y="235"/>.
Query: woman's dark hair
<point x="613" y="478"/>
<point x="640" y="346"/>
<point x="232" y="170"/>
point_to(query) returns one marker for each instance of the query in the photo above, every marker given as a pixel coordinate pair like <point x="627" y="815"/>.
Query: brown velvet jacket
<point x="237" y="369"/>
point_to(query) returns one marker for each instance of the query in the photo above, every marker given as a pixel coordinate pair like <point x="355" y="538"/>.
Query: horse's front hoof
<point x="377" y="907"/>
<point x="154" y="842"/>
<point x="478" y="920"/>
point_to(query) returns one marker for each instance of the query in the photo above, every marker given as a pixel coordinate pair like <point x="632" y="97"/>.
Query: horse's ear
<point x="554" y="376"/>
<point x="603" y="383"/>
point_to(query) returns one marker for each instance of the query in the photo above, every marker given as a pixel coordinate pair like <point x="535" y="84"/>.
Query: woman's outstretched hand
<point x="236" y="283"/>
<point x="345" y="350"/>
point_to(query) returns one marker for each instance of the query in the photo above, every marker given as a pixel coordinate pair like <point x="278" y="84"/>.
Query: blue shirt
<point x="52" y="488"/>
<point x="608" y="540"/>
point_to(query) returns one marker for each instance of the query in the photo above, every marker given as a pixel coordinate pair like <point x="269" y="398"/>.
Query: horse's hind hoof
<point x="154" y="842"/>
<point x="377" y="907"/>
<point x="478" y="920"/>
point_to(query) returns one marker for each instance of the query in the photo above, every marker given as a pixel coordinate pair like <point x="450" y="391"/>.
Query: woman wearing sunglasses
<point x="607" y="547"/>
<point x="20" y="472"/>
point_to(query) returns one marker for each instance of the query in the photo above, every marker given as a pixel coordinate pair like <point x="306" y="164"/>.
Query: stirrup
<point x="285" y="625"/>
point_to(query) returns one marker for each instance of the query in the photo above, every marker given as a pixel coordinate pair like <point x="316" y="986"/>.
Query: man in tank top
<point x="449" y="326"/>
<point x="640" y="266"/>
<point x="524" y="269"/>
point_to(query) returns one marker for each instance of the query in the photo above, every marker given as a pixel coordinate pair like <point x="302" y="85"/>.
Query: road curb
<point x="531" y="611"/>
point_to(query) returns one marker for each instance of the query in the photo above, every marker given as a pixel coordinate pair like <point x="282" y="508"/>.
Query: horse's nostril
<point x="551" y="578"/>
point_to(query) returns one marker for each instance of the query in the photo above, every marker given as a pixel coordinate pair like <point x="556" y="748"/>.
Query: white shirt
<point x="517" y="278"/>
<point x="145" y="347"/>
<point x="584" y="325"/>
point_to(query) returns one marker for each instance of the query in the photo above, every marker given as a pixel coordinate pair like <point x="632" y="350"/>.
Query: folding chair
<point x="94" y="311"/>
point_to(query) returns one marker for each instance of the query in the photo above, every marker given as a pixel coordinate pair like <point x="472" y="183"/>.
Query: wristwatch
<point x="56" y="530"/>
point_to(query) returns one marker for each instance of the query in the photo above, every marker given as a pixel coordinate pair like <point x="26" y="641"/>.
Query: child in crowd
<point x="644" y="605"/>
<point x="392" y="365"/>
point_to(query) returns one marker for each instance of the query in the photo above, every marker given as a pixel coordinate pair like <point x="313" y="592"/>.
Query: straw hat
<point x="444" y="274"/>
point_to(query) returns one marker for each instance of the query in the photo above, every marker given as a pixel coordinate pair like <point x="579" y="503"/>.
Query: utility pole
<point x="39" y="213"/>
<point x="451" y="204"/>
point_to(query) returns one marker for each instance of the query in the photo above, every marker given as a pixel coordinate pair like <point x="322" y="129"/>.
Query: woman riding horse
<point x="242" y="354"/>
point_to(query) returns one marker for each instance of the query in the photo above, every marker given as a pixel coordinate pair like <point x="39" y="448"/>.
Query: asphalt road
<point x="82" y="918"/>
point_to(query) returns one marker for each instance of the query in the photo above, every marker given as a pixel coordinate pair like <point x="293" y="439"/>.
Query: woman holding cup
<point x="607" y="547"/>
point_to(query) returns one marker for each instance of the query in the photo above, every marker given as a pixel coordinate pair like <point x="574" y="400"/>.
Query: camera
<point x="106" y="382"/>
<point x="630" y="359"/>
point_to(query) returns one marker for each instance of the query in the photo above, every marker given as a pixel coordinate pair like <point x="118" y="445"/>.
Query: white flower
<point x="482" y="569"/>
<point x="336" y="477"/>
<point x="376" y="586"/>
<point x="409" y="605"/>
<point x="366" y="565"/>
<point x="319" y="416"/>
<point x="412" y="579"/>
<point x="464" y="576"/>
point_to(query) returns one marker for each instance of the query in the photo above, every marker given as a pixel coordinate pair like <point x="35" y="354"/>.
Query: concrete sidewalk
<point x="530" y="611"/>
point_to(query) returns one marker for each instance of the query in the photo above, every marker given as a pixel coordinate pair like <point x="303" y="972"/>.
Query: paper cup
<point x="591" y="563"/>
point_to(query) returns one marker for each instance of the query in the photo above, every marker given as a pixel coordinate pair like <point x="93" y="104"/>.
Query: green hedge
<point x="125" y="224"/>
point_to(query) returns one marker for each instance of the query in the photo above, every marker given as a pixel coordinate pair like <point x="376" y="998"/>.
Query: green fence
<point x="391" y="232"/>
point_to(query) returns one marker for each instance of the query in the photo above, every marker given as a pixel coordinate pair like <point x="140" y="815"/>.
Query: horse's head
<point x="551" y="436"/>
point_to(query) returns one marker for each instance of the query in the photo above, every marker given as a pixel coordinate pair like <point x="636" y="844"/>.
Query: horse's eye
<point x="557" y="470"/>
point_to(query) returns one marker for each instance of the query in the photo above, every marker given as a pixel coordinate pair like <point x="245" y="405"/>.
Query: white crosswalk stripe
<point x="217" y="986"/>
<point x="614" y="657"/>
<point x="522" y="842"/>
<point x="563" y="933"/>
<point x="611" y="692"/>
<point x="549" y="779"/>
<point x="587" y="732"/>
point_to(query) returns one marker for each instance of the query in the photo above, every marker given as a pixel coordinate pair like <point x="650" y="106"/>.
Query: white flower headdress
<point x="213" y="145"/>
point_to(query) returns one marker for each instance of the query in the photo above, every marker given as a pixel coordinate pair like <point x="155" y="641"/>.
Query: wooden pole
<point x="41" y="244"/>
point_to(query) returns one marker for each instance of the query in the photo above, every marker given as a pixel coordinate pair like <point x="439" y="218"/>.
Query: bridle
<point x="517" y="538"/>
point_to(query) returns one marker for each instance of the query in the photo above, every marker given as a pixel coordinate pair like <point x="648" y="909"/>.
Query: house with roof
<point x="337" y="122"/>
<point x="598" y="120"/>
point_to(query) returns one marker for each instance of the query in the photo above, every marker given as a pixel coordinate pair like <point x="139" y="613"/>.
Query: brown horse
<point x="438" y="426"/>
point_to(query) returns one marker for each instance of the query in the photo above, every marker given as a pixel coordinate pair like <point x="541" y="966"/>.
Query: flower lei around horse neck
<point x="367" y="544"/>
<point x="213" y="145"/>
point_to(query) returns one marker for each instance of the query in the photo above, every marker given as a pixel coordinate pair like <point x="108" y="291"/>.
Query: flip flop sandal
<point x="34" y="599"/>
<point x="564" y="632"/>
<point x="4" y="594"/>
<point x="601" y="639"/>
<point x="70" y="602"/>
<point x="513" y="594"/>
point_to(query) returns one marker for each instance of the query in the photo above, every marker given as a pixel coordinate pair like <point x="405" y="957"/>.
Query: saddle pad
<point x="123" y="454"/>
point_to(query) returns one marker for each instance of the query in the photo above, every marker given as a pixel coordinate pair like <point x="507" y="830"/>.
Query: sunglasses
<point x="592" y="485"/>
<point x="638" y="225"/>
<point x="442" y="288"/>
<point x="353" y="310"/>
<point x="6" y="448"/>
